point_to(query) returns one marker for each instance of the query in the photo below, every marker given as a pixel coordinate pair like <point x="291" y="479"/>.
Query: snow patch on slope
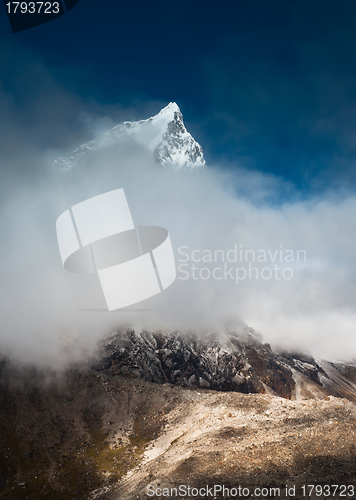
<point x="164" y="135"/>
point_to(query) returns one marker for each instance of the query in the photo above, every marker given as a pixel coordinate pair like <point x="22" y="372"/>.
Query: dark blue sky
<point x="266" y="84"/>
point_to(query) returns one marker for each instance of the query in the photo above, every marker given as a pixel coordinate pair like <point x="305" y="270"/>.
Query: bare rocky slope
<point x="165" y="409"/>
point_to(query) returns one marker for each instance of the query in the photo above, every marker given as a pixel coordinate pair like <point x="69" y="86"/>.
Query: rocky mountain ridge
<point x="239" y="362"/>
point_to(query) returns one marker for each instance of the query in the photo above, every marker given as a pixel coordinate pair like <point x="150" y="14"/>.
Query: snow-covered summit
<point x="164" y="135"/>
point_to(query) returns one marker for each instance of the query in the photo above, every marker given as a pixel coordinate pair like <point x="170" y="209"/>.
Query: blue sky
<point x="266" y="85"/>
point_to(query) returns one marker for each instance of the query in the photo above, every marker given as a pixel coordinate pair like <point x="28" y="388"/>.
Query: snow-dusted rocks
<point x="239" y="362"/>
<point x="164" y="135"/>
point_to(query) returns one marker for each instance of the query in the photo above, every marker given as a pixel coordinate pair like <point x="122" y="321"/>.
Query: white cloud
<point x="211" y="209"/>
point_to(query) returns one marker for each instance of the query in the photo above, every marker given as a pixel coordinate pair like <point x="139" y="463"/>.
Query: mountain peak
<point x="171" y="108"/>
<point x="164" y="135"/>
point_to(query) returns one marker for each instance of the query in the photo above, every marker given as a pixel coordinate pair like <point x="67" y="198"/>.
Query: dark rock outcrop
<point x="231" y="362"/>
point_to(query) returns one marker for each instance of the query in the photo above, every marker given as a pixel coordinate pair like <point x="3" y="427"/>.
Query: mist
<point x="210" y="211"/>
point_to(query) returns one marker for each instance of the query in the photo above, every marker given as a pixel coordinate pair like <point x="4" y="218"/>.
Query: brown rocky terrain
<point x="103" y="431"/>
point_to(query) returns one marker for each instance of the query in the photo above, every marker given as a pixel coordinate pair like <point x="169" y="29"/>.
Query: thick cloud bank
<point x="286" y="269"/>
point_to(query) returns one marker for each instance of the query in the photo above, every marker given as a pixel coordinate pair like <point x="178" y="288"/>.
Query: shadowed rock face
<point x="229" y="364"/>
<point x="234" y="362"/>
<point x="178" y="147"/>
